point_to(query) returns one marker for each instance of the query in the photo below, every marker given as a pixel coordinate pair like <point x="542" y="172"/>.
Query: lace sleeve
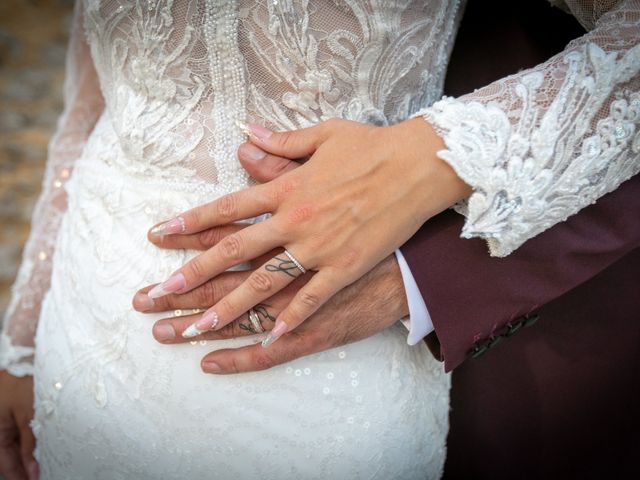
<point x="538" y="146"/>
<point x="82" y="106"/>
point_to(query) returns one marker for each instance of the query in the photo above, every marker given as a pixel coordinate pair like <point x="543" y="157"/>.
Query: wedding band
<point x="255" y="321"/>
<point x="295" y="261"/>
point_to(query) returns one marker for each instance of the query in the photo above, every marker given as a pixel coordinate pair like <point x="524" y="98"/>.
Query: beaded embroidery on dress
<point x="153" y="92"/>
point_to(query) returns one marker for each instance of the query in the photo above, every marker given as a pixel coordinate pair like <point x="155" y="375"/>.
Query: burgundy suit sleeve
<point x="475" y="299"/>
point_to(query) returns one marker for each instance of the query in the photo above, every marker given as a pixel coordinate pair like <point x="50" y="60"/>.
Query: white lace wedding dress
<point x="152" y="96"/>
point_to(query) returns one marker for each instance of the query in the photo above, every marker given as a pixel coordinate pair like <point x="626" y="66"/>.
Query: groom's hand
<point x="361" y="310"/>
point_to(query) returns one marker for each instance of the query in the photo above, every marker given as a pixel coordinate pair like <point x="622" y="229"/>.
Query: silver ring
<point x="295" y="262"/>
<point x="255" y="321"/>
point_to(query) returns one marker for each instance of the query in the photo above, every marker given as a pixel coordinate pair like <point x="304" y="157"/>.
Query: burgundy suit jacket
<point x="545" y="343"/>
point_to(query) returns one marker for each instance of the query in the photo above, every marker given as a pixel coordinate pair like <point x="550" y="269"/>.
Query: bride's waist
<point x="93" y="171"/>
<point x="108" y="158"/>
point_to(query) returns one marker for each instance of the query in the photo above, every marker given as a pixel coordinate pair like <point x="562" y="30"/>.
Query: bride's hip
<point x="100" y="372"/>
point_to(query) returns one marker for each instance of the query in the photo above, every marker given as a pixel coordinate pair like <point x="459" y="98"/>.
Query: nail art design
<point x="175" y="225"/>
<point x="208" y="321"/>
<point x="171" y="285"/>
<point x="279" y="329"/>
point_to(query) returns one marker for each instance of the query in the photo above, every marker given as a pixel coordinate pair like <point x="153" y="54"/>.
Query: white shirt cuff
<point x="419" y="321"/>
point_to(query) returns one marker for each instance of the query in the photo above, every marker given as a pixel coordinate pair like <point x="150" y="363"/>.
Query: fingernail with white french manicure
<point x="252" y="152"/>
<point x="279" y="329"/>
<point x="208" y="321"/>
<point x="175" y="225"/>
<point x="171" y="285"/>
<point x="259" y="132"/>
<point x="163" y="332"/>
<point x="143" y="302"/>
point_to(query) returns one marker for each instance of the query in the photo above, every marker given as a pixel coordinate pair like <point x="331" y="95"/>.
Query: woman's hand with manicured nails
<point x="363" y="192"/>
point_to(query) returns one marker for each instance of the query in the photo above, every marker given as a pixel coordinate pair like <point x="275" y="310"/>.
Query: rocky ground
<point x="33" y="37"/>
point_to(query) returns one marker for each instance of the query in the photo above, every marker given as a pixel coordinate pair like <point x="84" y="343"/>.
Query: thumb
<point x="261" y="165"/>
<point x="293" y="144"/>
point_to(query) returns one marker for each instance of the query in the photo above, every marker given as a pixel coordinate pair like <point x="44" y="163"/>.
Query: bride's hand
<point x="378" y="299"/>
<point x="364" y="191"/>
<point x="16" y="438"/>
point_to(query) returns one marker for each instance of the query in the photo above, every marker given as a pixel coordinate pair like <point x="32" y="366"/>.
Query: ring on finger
<point x="295" y="261"/>
<point x="255" y="321"/>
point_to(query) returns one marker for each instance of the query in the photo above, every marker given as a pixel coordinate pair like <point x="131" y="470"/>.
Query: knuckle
<point x="287" y="186"/>
<point x="226" y="308"/>
<point x="193" y="218"/>
<point x="287" y="140"/>
<point x="309" y="300"/>
<point x="280" y="229"/>
<point x="233" y="365"/>
<point x="236" y="330"/>
<point x="227" y="207"/>
<point x="260" y="281"/>
<point x="263" y="361"/>
<point x="231" y="247"/>
<point x="196" y="268"/>
<point x="230" y="331"/>
<point x="206" y="294"/>
<point x="300" y="214"/>
<point x="209" y="238"/>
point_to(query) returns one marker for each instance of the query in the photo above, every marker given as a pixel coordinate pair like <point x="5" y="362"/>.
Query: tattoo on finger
<point x="262" y="310"/>
<point x="248" y="327"/>
<point x="283" y="264"/>
<point x="262" y="314"/>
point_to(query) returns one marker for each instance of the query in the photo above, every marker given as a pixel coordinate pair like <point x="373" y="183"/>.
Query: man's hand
<point x="16" y="438"/>
<point x="361" y="310"/>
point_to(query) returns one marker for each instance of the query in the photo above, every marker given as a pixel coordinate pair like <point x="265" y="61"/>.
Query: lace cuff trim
<point x="515" y="197"/>
<point x="15" y="359"/>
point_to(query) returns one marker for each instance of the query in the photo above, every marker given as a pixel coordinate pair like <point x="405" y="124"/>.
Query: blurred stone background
<point x="33" y="39"/>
